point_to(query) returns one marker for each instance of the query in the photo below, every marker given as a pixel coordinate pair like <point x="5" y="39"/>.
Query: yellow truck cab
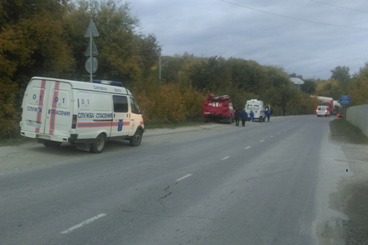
<point x="59" y="110"/>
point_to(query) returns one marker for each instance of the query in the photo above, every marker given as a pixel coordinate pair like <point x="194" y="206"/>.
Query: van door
<point x="121" y="117"/>
<point x="58" y="109"/>
<point x="46" y="109"/>
<point x="136" y="116"/>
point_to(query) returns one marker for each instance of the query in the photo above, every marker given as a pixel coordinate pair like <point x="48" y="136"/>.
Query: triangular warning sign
<point x="91" y="30"/>
<point x="94" y="50"/>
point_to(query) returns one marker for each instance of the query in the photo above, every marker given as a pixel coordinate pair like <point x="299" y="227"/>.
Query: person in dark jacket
<point x="268" y="112"/>
<point x="251" y="116"/>
<point x="237" y="116"/>
<point x="244" y="117"/>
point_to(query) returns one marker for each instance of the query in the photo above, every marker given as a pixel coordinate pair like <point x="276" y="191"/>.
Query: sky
<point x="305" y="37"/>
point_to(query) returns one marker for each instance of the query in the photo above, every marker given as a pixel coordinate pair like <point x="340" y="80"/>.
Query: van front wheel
<point x="99" y="144"/>
<point x="136" y="139"/>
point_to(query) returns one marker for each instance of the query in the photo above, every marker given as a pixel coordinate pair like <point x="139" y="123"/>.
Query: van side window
<point x="120" y="103"/>
<point x="104" y="103"/>
<point x="134" y="106"/>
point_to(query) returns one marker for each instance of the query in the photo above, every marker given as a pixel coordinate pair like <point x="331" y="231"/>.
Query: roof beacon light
<point x="108" y="82"/>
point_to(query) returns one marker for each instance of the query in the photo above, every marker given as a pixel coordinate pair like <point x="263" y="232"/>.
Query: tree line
<point x="46" y="38"/>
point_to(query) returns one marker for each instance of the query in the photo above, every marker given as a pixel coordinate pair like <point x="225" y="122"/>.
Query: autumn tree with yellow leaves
<point x="46" y="38"/>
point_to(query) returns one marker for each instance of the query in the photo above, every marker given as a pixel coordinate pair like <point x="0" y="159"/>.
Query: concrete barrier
<point x="358" y="116"/>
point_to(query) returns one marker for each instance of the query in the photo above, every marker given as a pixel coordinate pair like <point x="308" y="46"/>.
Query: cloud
<point x="306" y="37"/>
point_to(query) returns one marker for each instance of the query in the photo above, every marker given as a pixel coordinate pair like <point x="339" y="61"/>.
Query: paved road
<point x="261" y="184"/>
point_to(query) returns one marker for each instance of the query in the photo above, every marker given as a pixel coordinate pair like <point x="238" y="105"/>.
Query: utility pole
<point x="159" y="67"/>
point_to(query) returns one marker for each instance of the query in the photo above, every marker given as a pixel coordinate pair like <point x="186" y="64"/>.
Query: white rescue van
<point x="58" y="110"/>
<point x="257" y="106"/>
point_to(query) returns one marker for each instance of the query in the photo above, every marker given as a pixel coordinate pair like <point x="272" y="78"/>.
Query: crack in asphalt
<point x="167" y="194"/>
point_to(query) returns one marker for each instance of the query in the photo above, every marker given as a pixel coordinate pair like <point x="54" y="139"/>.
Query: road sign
<point x="92" y="66"/>
<point x="91" y="30"/>
<point x="94" y="50"/>
<point x="91" y="63"/>
<point x="344" y="99"/>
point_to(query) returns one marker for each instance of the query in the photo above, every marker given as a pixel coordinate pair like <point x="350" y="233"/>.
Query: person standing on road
<point x="251" y="115"/>
<point x="268" y="114"/>
<point x="237" y="116"/>
<point x="244" y="117"/>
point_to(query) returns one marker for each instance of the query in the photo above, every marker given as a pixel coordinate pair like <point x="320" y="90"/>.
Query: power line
<point x="341" y="7"/>
<point x="291" y="17"/>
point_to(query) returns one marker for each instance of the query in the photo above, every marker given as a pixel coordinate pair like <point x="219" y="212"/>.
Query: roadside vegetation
<point x="46" y="38"/>
<point x="343" y="131"/>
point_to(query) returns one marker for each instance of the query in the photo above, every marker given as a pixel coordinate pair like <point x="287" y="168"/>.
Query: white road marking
<point x="247" y="147"/>
<point x="261" y="141"/>
<point x="184" y="177"/>
<point x="225" y="157"/>
<point x="86" y="222"/>
<point x="271" y="136"/>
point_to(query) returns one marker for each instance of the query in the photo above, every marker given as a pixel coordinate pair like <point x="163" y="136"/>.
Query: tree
<point x="358" y="87"/>
<point x="279" y="92"/>
<point x="247" y="75"/>
<point x="309" y="86"/>
<point x="295" y="75"/>
<point x="179" y="68"/>
<point x="32" y="43"/>
<point x="341" y="73"/>
<point x="329" y="88"/>
<point x="124" y="55"/>
<point x="211" y="74"/>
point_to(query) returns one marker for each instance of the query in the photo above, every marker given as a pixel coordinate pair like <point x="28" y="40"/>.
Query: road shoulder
<point x="351" y="197"/>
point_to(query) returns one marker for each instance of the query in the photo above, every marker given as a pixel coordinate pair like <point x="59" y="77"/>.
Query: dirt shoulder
<point x="352" y="195"/>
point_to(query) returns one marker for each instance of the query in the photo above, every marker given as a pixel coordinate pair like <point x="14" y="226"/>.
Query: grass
<point x="342" y="130"/>
<point x="152" y="125"/>
<point x="17" y="140"/>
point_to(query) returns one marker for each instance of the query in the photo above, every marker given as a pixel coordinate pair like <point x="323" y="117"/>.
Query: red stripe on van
<point x="99" y="124"/>
<point x="54" y="107"/>
<point x="94" y="124"/>
<point x="40" y="105"/>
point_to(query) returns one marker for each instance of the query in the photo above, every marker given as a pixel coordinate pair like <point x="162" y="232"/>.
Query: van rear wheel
<point x="136" y="139"/>
<point x="99" y="144"/>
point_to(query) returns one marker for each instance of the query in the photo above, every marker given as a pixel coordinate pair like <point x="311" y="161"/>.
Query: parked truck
<point x="329" y="103"/>
<point x="218" y="108"/>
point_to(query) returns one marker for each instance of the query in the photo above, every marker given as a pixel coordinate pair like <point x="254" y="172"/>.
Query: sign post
<point x="91" y="63"/>
<point x="344" y="101"/>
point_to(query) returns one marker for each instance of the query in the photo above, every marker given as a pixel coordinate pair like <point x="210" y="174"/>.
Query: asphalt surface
<point x="265" y="183"/>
